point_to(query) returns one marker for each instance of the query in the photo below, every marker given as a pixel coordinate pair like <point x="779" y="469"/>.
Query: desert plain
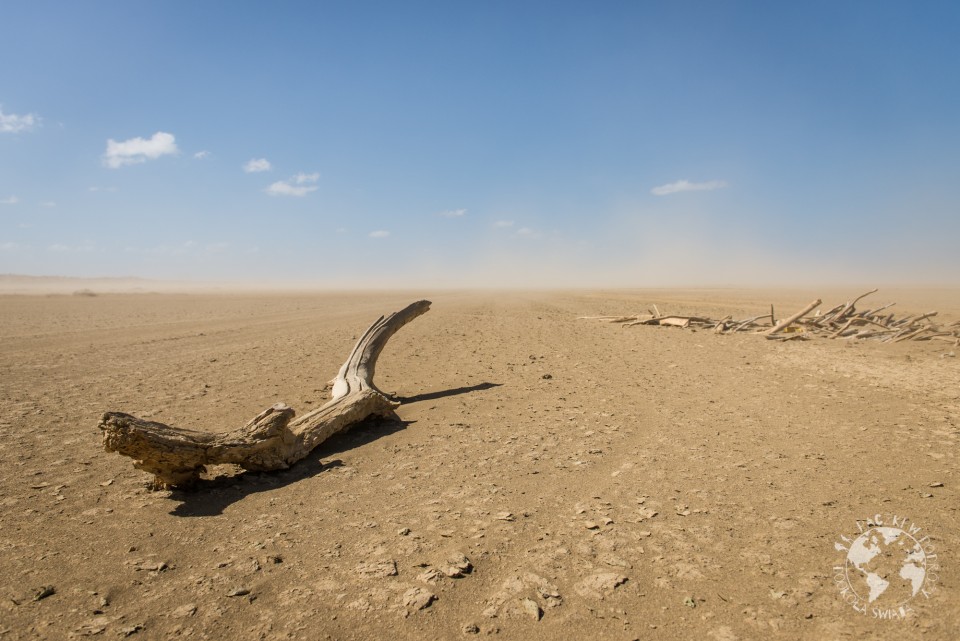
<point x="545" y="476"/>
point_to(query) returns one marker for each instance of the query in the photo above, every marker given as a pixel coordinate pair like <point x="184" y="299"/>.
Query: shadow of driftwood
<point x="210" y="497"/>
<point x="444" y="393"/>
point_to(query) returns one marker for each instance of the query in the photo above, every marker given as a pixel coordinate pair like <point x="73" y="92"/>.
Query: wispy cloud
<point x="256" y="165"/>
<point x="454" y="213"/>
<point x="527" y="232"/>
<point x="501" y="224"/>
<point x="138" y="150"/>
<point x="14" y="124"/>
<point x="200" y="155"/>
<point x="299" y="185"/>
<point x="12" y="200"/>
<point x="48" y="203"/>
<point x="686" y="185"/>
<point x="106" y="189"/>
<point x="61" y="248"/>
<point x="380" y="233"/>
<point x="9" y="247"/>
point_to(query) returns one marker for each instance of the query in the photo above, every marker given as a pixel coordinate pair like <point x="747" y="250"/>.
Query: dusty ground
<point x="610" y="483"/>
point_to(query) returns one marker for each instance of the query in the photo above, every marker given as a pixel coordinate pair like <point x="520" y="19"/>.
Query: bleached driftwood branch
<point x="272" y="440"/>
<point x="843" y="321"/>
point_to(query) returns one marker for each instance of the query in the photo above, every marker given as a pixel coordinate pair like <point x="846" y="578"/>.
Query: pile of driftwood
<point x="843" y="321"/>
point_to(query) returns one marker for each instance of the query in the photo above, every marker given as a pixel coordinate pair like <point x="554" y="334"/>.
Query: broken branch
<point x="272" y="440"/>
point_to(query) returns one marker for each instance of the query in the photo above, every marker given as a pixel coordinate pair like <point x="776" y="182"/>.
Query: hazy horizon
<point x="491" y="145"/>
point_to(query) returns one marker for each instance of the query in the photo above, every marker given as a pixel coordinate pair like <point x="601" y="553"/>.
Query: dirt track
<point x="604" y="482"/>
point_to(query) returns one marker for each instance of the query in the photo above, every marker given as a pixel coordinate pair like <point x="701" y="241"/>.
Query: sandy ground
<point x="602" y="482"/>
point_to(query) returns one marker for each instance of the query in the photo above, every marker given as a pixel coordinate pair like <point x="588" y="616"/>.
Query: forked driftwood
<point x="272" y="440"/>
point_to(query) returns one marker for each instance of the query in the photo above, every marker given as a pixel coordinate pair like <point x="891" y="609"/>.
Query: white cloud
<point x="200" y="155"/>
<point x="12" y="200"/>
<point x="256" y="165"/>
<point x="526" y="232"/>
<point x="453" y="213"/>
<point x="380" y="233"/>
<point x="503" y="223"/>
<point x="686" y="185"/>
<point x="138" y="150"/>
<point x="48" y="203"/>
<point x="13" y="124"/>
<point x="298" y="185"/>
<point x="9" y="247"/>
<point x="303" y="178"/>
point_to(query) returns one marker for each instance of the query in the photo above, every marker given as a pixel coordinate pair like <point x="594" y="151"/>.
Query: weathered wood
<point x="786" y="322"/>
<point x="843" y="321"/>
<point x="272" y="440"/>
<point x="849" y="307"/>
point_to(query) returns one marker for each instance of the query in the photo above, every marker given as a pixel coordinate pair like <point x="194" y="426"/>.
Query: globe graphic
<point x="886" y="567"/>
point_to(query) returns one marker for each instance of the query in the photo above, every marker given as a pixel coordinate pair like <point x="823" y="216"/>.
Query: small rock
<point x="130" y="630"/>
<point x="93" y="627"/>
<point x="547" y="377"/>
<point x="417" y="599"/>
<point x="148" y="565"/>
<point x="926" y="495"/>
<point x="459" y="565"/>
<point x="590" y="525"/>
<point x="44" y="592"/>
<point x="645" y="513"/>
<point x="378" y="569"/>
<point x="470" y="628"/>
<point x="690" y="602"/>
<point x="550" y="594"/>
<point x="532" y="609"/>
<point x="429" y="575"/>
<point x="504" y="516"/>
<point x="600" y="584"/>
<point x="185" y="611"/>
<point x="404" y="532"/>
<point x="239" y="592"/>
<point x="937" y="484"/>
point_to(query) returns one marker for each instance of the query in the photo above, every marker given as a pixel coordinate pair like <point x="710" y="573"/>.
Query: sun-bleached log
<point x="786" y="322"/>
<point x="272" y="440"/>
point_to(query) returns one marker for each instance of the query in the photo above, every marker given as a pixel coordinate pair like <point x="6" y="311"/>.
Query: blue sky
<point x="482" y="143"/>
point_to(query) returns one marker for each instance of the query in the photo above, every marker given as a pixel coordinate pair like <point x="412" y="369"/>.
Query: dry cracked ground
<point x="545" y="477"/>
